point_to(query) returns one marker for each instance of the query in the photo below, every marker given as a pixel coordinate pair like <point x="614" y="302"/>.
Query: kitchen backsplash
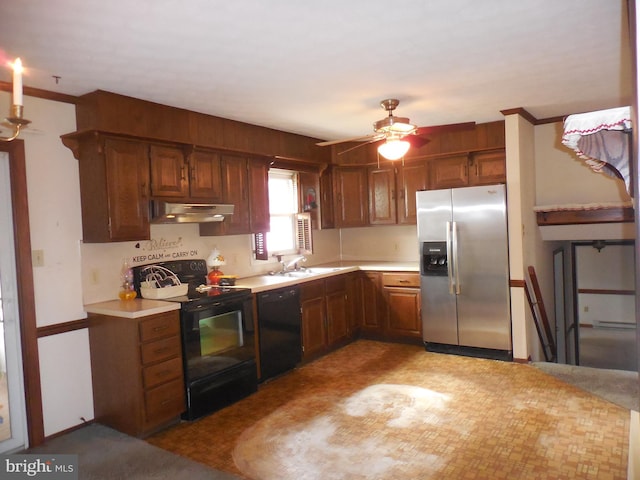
<point x="102" y="262"/>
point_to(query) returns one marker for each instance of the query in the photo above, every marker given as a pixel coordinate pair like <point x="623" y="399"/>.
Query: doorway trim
<point x="25" y="290"/>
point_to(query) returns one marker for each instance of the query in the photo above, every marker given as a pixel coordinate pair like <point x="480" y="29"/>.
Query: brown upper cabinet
<point x="168" y="172"/>
<point x="245" y="183"/>
<point x="114" y="187"/>
<point x="477" y="168"/>
<point x="327" y="215"/>
<point x="392" y="192"/>
<point x="205" y="175"/>
<point x="309" y="196"/>
<point x="350" y="197"/>
<point x="196" y="176"/>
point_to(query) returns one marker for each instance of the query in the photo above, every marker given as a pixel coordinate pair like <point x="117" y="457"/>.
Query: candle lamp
<point x="15" y="118"/>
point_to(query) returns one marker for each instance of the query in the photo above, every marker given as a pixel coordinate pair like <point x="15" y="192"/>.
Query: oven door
<point x="216" y="336"/>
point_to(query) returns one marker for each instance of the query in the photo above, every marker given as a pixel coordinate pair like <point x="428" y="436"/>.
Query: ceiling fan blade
<point x="365" y="138"/>
<point x="452" y="127"/>
<point x="416" y="141"/>
<point x="377" y="138"/>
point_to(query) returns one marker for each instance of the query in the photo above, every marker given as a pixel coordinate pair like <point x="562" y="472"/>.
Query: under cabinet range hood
<point x="166" y="212"/>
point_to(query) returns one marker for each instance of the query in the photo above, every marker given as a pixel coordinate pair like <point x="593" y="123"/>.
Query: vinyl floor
<point x="375" y="410"/>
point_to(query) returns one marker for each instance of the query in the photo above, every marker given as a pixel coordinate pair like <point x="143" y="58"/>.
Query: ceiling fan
<point x="398" y="133"/>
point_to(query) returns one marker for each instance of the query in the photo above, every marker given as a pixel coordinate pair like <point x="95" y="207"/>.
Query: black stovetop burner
<point x="194" y="273"/>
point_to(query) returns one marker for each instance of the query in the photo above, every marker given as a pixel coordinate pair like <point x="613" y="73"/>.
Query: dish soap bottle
<point x="127" y="291"/>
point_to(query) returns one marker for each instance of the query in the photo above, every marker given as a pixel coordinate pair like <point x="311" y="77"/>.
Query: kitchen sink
<point x="308" y="272"/>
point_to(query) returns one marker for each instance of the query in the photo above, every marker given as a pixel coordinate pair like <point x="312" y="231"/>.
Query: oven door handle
<point x="196" y="308"/>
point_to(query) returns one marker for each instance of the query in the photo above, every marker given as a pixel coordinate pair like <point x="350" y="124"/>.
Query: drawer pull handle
<point x="403" y="281"/>
<point x="164" y="373"/>
<point x="160" y="328"/>
<point x="162" y="350"/>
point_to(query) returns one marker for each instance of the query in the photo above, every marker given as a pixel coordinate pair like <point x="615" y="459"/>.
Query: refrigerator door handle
<point x="454" y="247"/>
<point x="449" y="259"/>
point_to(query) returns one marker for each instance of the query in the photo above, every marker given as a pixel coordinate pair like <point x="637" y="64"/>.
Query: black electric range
<point x="194" y="274"/>
<point x="217" y="335"/>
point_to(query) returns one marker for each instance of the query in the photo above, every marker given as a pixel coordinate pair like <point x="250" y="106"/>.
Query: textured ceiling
<point x="321" y="68"/>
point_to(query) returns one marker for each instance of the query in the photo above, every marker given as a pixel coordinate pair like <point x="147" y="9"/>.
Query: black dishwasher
<point x="279" y="327"/>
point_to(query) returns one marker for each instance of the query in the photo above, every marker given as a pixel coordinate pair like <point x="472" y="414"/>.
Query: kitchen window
<point x="290" y="231"/>
<point x="283" y="207"/>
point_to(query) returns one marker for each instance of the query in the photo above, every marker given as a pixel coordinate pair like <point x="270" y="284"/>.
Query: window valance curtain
<point x="601" y="138"/>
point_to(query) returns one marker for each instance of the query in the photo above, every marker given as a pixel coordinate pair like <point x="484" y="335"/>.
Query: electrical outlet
<point x="37" y="258"/>
<point x="586" y="309"/>
<point x="95" y="276"/>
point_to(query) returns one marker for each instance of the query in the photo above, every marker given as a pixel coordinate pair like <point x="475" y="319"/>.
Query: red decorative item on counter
<point x="214" y="276"/>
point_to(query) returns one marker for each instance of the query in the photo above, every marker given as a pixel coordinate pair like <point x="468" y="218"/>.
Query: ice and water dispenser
<point x="434" y="259"/>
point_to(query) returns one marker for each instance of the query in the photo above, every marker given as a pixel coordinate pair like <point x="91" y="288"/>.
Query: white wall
<point x="611" y="268"/>
<point x="384" y="243"/>
<point x="55" y="224"/>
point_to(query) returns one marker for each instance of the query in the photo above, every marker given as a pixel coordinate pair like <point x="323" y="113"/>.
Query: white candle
<point x="17" y="82"/>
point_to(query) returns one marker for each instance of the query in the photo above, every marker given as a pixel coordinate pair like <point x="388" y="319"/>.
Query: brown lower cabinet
<point x="326" y="307"/>
<point x="136" y="365"/>
<point x="390" y="305"/>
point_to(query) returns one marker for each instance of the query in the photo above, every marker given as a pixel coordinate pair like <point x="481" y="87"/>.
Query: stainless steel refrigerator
<point x="462" y="235"/>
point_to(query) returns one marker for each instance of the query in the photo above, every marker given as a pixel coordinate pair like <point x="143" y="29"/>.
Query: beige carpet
<point x="621" y="387"/>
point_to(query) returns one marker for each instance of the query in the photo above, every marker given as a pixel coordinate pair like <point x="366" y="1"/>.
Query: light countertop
<point x="261" y="283"/>
<point x="139" y="307"/>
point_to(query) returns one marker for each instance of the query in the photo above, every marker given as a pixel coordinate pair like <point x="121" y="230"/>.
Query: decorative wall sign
<point x="162" y="249"/>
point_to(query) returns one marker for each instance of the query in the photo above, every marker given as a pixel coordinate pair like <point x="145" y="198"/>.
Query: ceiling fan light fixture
<point x="394" y="149"/>
<point x="398" y="125"/>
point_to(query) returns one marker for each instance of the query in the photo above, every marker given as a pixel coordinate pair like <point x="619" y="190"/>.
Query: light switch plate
<point x="37" y="258"/>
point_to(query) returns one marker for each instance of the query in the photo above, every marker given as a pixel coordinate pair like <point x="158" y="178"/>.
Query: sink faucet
<point x="294" y="263"/>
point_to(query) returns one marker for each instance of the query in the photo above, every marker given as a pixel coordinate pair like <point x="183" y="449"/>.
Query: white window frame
<point x="292" y="214"/>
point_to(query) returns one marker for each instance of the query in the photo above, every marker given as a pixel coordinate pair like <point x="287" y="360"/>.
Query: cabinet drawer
<point x="401" y="280"/>
<point x="159" y="326"/>
<point x="164" y="402"/>
<point x="160" y="350"/>
<point x="162" y="372"/>
<point x="313" y="289"/>
<point x="336" y="284"/>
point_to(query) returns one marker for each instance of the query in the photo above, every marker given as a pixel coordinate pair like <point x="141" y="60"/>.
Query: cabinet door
<point x="449" y="172"/>
<point x="205" y="176"/>
<point x="327" y="215"/>
<point x="354" y="310"/>
<point x="350" y="188"/>
<point x="382" y="196"/>
<point x="258" y="181"/>
<point x="314" y="328"/>
<point x="127" y="172"/>
<point x="403" y="312"/>
<point x="337" y="321"/>
<point x="236" y="192"/>
<point x="168" y="172"/>
<point x="371" y="302"/>
<point x="309" y="196"/>
<point x="411" y="179"/>
<point x="314" y="332"/>
<point x="488" y="168"/>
